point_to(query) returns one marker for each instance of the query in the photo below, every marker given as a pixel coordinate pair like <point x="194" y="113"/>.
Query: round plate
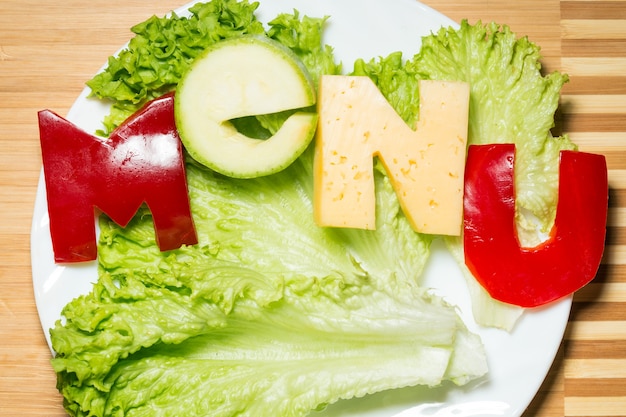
<point x="518" y="361"/>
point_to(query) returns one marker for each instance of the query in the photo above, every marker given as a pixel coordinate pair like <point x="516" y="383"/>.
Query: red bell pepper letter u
<point x="141" y="162"/>
<point x="571" y="255"/>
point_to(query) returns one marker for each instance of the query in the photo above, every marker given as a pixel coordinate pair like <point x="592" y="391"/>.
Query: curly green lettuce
<point x="162" y="49"/>
<point x="268" y="315"/>
<point x="511" y="101"/>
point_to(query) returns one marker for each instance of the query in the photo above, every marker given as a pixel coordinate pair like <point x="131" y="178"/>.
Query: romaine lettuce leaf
<point x="511" y="101"/>
<point x="268" y="315"/>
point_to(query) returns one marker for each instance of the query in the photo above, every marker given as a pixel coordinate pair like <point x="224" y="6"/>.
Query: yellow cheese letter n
<point x="425" y="165"/>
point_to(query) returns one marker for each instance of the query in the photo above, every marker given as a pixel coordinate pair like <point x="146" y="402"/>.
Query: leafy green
<point x="397" y="81"/>
<point x="268" y="315"/>
<point x="511" y="101"/>
<point x="162" y="49"/>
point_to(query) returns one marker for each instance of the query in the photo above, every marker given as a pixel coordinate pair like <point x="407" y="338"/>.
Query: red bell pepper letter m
<point x="562" y="264"/>
<point x="141" y="162"/>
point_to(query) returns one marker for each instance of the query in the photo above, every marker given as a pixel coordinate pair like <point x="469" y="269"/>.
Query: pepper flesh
<point x="140" y="162"/>
<point x="557" y="267"/>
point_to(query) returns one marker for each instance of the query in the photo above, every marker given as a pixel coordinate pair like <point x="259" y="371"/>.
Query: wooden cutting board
<point x="49" y="49"/>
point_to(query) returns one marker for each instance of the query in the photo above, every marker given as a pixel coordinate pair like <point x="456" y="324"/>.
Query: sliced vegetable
<point x="141" y="161"/>
<point x="227" y="82"/>
<point x="571" y="255"/>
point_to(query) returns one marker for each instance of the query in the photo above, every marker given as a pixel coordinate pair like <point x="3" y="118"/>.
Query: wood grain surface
<point x="49" y="49"/>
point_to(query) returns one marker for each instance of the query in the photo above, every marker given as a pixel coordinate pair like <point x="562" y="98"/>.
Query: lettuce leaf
<point x="162" y="49"/>
<point x="160" y="53"/>
<point x="268" y="315"/>
<point x="511" y="101"/>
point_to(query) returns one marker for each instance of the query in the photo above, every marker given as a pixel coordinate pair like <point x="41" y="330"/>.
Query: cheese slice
<point x="425" y="165"/>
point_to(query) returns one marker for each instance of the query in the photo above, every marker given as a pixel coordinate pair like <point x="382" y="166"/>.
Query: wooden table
<point x="48" y="49"/>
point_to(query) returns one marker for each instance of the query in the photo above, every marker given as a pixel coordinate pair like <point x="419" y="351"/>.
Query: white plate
<point x="518" y="361"/>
